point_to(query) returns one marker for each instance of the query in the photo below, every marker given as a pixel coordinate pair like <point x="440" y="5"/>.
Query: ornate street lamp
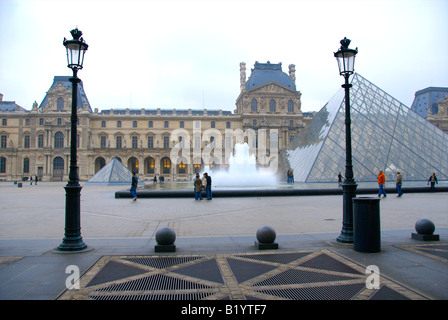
<point x="72" y="241"/>
<point x="346" y="63"/>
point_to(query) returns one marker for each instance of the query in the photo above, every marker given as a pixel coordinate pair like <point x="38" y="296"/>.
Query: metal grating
<point x="155" y="282"/>
<point x="161" y="262"/>
<point x="245" y="270"/>
<point x="337" y="292"/>
<point x="386" y="293"/>
<point x="114" y="271"/>
<point x="326" y="262"/>
<point x="205" y="270"/>
<point x="175" y="296"/>
<point x="292" y="276"/>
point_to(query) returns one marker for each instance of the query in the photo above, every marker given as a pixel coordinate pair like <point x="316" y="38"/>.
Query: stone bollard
<point x="425" y="231"/>
<point x="165" y="238"/>
<point x="265" y="238"/>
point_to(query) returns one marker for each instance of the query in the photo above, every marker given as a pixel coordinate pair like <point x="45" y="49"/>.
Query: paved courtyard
<point x="221" y="232"/>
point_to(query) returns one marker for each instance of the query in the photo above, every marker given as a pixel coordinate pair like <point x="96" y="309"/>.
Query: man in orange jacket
<point x="381" y="182"/>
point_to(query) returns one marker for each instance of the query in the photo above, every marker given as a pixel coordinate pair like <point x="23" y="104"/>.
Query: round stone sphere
<point x="425" y="226"/>
<point x="266" y="234"/>
<point x="165" y="236"/>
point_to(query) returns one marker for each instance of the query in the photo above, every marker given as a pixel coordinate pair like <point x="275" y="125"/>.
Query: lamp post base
<point x="349" y="192"/>
<point x="72" y="240"/>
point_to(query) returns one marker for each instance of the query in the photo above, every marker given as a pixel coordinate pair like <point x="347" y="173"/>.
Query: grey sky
<point x="186" y="54"/>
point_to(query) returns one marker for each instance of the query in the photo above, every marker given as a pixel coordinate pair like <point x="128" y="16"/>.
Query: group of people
<point x="161" y="179"/>
<point x="399" y="182"/>
<point x="202" y="184"/>
<point x="36" y="178"/>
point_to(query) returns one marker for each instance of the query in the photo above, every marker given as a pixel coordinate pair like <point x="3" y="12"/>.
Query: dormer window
<point x="60" y="104"/>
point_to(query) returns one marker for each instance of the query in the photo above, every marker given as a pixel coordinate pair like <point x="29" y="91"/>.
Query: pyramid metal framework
<point x="113" y="173"/>
<point x="386" y="135"/>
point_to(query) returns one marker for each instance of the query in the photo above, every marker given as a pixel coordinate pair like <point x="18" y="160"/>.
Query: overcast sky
<point x="186" y="54"/>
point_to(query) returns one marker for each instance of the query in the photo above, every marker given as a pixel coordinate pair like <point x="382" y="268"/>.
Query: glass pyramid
<point x="386" y="135"/>
<point x="113" y="173"/>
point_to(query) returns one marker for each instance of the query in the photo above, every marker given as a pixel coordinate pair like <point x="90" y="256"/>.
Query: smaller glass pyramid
<point x="386" y="135"/>
<point x="113" y="173"/>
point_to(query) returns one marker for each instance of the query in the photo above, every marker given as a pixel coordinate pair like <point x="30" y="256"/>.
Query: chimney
<point x="292" y="73"/>
<point x="1" y="97"/>
<point x="242" y="76"/>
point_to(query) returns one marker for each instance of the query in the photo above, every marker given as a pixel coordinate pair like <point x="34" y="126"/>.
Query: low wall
<point x="268" y="192"/>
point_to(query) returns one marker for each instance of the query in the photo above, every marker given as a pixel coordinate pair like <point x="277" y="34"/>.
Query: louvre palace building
<point x="36" y="142"/>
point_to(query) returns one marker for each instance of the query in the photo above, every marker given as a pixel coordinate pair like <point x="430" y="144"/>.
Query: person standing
<point x="433" y="180"/>
<point x="339" y="178"/>
<point x="208" y="186"/>
<point x="381" y="182"/>
<point x="134" y="183"/>
<point x="197" y="187"/>
<point x="398" y="183"/>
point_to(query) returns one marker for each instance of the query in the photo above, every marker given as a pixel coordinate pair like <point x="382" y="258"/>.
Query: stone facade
<point x="440" y="119"/>
<point x="153" y="142"/>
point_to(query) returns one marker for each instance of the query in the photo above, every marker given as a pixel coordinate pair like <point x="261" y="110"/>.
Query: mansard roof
<point x="64" y="80"/>
<point x="10" y="106"/>
<point x="263" y="73"/>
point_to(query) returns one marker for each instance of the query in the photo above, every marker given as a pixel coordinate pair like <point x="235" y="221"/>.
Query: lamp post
<point x="346" y="63"/>
<point x="72" y="241"/>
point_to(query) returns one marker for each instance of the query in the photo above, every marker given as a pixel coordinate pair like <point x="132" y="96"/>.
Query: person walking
<point x="134" y="183"/>
<point x="208" y="186"/>
<point x="433" y="180"/>
<point x="398" y="183"/>
<point x="197" y="187"/>
<point x="381" y="182"/>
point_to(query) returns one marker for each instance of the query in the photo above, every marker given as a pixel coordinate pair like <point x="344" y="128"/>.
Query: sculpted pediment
<point x="271" y="87"/>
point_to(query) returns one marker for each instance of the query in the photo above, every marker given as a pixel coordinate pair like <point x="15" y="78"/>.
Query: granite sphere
<point x="425" y="226"/>
<point x="165" y="236"/>
<point x="266" y="234"/>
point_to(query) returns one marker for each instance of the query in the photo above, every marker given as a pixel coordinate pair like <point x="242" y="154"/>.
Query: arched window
<point x="166" y="165"/>
<point x="133" y="164"/>
<point x="272" y="106"/>
<point x="58" y="140"/>
<point x="99" y="164"/>
<point x="181" y="168"/>
<point x="149" y="165"/>
<point x="253" y="105"/>
<point x="60" y="104"/>
<point x="290" y="106"/>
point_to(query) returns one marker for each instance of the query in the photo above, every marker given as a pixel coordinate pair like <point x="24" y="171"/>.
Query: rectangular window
<point x="3" y="142"/>
<point x="197" y="142"/>
<point x="4" y="122"/>
<point x="134" y="142"/>
<point x="103" y="142"/>
<point x="166" y="142"/>
<point x="26" y="165"/>
<point x="40" y="141"/>
<point x="26" y="142"/>
<point x="119" y="140"/>
<point x="150" y="142"/>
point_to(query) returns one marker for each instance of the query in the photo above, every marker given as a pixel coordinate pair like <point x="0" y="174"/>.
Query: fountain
<point x="242" y="171"/>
